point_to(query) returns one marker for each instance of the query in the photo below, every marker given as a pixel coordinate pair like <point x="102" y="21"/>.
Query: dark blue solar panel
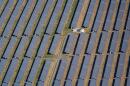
<point x="1" y="2"/>
<point x="42" y="50"/>
<point x="87" y="19"/>
<point x="45" y="70"/>
<point x="6" y="12"/>
<point x="125" y="41"/>
<point x="91" y="43"/>
<point x="4" y="84"/>
<point x="109" y="16"/>
<point x="77" y="13"/>
<point x="40" y="83"/>
<point x="32" y="50"/>
<point x="113" y="43"/>
<point x="128" y="81"/>
<point x="102" y="42"/>
<point x="92" y="82"/>
<point x="105" y="82"/>
<point x="98" y="17"/>
<point x="23" y="20"/>
<point x="108" y="66"/>
<point x="53" y="17"/>
<point x="28" y="84"/>
<point x="9" y="28"/>
<point x="54" y="47"/>
<point x="96" y="66"/>
<point x="123" y="4"/>
<point x="22" y="47"/>
<point x="2" y="64"/>
<point x="11" y="70"/>
<point x="119" y="20"/>
<point x="64" y="16"/>
<point x="84" y="66"/>
<point x="68" y="83"/>
<point x="73" y="67"/>
<point x="81" y="43"/>
<point x="11" y="47"/>
<point x="89" y="13"/>
<point x="34" y="70"/>
<point x="3" y="43"/>
<point x="40" y="29"/>
<point x="61" y="70"/>
<point x="56" y="83"/>
<point x="128" y="23"/>
<point x="70" y="43"/>
<point x="120" y="66"/>
<point x="22" y="70"/>
<point x="34" y="17"/>
<point x="117" y="82"/>
<point x="80" y="82"/>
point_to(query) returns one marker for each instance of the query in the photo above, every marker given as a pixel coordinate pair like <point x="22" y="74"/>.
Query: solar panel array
<point x="37" y="46"/>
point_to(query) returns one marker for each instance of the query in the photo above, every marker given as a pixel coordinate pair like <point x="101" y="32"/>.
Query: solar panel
<point x="56" y="83"/>
<point x="92" y="82"/>
<point x="89" y="13"/>
<point x="64" y="17"/>
<point x="2" y="5"/>
<point x="22" y="47"/>
<point x="73" y="68"/>
<point x="77" y="13"/>
<point x="40" y="83"/>
<point x="11" y="70"/>
<point x="28" y="84"/>
<point x="22" y="70"/>
<point x="128" y="82"/>
<point x="102" y="42"/>
<point x="61" y="69"/>
<point x="2" y="64"/>
<point x="58" y="7"/>
<point x="84" y="66"/>
<point x="113" y="42"/>
<point x="11" y="47"/>
<point x="14" y="17"/>
<point x="109" y="16"/>
<point x="87" y="19"/>
<point x="80" y="82"/>
<point x="91" y="43"/>
<point x="3" y="44"/>
<point x="81" y="43"/>
<point x="96" y="66"/>
<point x="32" y="50"/>
<point x="108" y="66"/>
<point x="4" y="84"/>
<point x="45" y="70"/>
<point x="35" y="17"/>
<point x="69" y="48"/>
<point x="122" y="6"/>
<point x="68" y="83"/>
<point x="7" y="13"/>
<point x="34" y="70"/>
<point x="117" y="82"/>
<point x="24" y="18"/>
<point x="128" y="24"/>
<point x="98" y="17"/>
<point x="120" y="66"/>
<point x="105" y="82"/>
<point x="40" y="28"/>
<point x="42" y="50"/>
<point x="54" y="48"/>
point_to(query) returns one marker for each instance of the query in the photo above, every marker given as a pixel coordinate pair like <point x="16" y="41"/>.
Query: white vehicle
<point x="79" y="30"/>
